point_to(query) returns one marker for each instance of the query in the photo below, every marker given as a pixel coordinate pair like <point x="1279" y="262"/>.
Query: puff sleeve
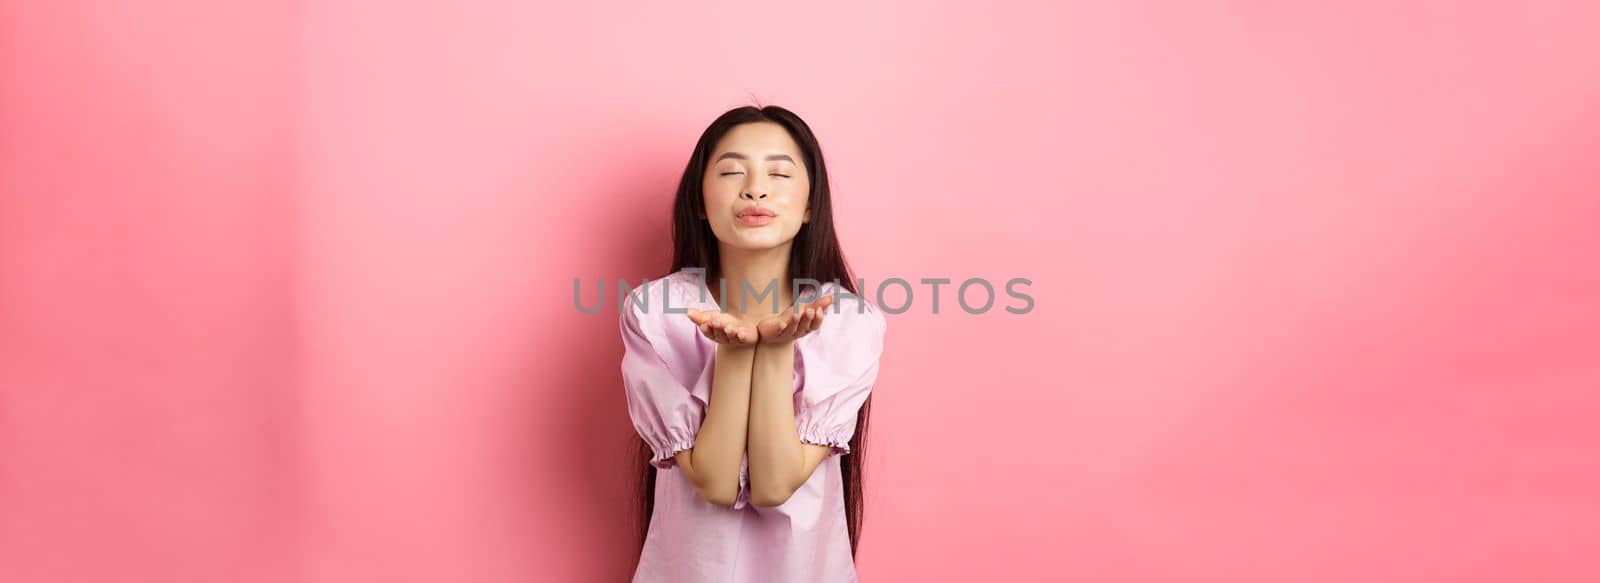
<point x="661" y="399"/>
<point x="840" y="369"/>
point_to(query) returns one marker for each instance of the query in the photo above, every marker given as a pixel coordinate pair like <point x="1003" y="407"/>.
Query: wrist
<point x="774" y="357"/>
<point x="776" y="346"/>
<point x="735" y="350"/>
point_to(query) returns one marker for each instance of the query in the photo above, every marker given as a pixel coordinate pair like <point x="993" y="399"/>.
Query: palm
<point x="723" y="328"/>
<point x="794" y="323"/>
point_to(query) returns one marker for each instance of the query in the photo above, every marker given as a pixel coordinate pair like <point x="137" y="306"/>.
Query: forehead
<point x="757" y="140"/>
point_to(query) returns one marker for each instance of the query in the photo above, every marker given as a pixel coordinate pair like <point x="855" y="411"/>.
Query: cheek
<point x="719" y="192"/>
<point x="794" y="194"/>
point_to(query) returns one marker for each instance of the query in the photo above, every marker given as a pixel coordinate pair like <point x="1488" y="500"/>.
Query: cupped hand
<point x="724" y="328"/>
<point x="794" y="323"/>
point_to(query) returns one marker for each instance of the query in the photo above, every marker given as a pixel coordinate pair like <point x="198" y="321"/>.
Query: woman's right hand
<point x="723" y="328"/>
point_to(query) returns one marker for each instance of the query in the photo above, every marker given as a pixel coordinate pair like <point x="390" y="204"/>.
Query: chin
<point x="749" y="245"/>
<point x="758" y="241"/>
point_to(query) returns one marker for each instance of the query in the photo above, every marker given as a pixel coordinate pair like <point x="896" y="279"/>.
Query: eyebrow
<point x="743" y="157"/>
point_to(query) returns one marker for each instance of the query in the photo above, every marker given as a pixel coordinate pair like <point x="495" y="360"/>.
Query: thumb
<point x="820" y="304"/>
<point x="823" y="303"/>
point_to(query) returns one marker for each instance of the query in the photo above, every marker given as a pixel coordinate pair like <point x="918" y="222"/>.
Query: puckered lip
<point x="755" y="211"/>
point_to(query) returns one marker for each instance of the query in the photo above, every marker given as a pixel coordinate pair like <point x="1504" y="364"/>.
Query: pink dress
<point x="667" y="367"/>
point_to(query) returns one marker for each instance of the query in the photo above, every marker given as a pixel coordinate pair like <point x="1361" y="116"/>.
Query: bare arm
<point x="779" y="461"/>
<point x="712" y="465"/>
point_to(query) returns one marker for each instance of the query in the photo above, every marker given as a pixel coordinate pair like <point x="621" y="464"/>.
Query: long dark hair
<point x="815" y="255"/>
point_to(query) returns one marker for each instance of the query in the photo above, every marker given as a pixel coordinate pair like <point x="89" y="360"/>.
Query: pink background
<point x="286" y="288"/>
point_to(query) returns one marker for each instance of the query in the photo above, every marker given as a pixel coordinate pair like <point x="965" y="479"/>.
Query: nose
<point x="751" y="195"/>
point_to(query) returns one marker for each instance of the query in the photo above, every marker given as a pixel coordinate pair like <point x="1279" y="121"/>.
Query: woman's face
<point x="756" y="187"/>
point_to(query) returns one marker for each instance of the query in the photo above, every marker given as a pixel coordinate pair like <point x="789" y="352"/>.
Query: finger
<point x="792" y="324"/>
<point x="696" y="316"/>
<point x="819" y="305"/>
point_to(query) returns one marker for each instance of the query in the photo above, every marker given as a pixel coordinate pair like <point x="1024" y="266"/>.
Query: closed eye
<point x="783" y="175"/>
<point x="731" y="173"/>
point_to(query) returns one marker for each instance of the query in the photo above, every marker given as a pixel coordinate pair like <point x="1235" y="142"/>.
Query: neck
<point x="758" y="269"/>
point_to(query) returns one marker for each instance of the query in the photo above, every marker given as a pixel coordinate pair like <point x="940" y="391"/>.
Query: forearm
<point x="776" y="453"/>
<point x="719" y="449"/>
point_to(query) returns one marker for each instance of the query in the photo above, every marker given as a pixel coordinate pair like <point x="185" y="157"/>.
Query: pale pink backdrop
<point x="286" y="288"/>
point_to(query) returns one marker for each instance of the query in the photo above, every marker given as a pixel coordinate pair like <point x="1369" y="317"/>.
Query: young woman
<point x="748" y="368"/>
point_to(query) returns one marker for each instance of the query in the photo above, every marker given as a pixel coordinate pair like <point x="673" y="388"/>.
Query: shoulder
<point x="847" y="347"/>
<point x="852" y="321"/>
<point x="653" y="304"/>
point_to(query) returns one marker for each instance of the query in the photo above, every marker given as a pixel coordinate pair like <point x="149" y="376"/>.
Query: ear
<point x="807" y="217"/>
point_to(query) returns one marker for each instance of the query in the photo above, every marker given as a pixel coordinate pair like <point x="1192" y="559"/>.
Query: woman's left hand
<point x="793" y="324"/>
